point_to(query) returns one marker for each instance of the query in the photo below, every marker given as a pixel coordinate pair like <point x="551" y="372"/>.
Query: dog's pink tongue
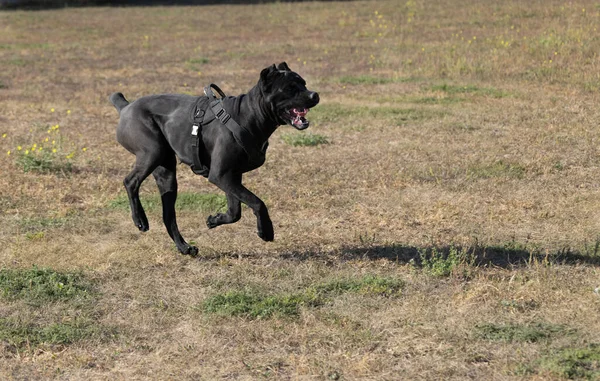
<point x="300" y="113"/>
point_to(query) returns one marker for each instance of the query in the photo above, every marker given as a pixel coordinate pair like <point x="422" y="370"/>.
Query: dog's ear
<point x="266" y="72"/>
<point x="266" y="78"/>
<point x="283" y="66"/>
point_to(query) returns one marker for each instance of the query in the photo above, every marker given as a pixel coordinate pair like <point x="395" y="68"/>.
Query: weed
<point x="530" y="333"/>
<point x="574" y="363"/>
<point x="205" y="202"/>
<point x="47" y="156"/>
<point x="35" y="236"/>
<point x="304" y="140"/>
<point x="437" y="100"/>
<point x="496" y="169"/>
<point x="438" y="263"/>
<point x="365" y="80"/>
<point x="519" y="306"/>
<point x="43" y="163"/>
<point x="470" y="89"/>
<point x="592" y="250"/>
<point x="40" y="285"/>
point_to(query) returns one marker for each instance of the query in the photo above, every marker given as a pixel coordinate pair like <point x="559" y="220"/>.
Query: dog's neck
<point x="260" y="121"/>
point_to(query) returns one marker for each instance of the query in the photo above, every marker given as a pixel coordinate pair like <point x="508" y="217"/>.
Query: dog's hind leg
<point x="144" y="165"/>
<point x="234" y="213"/>
<point x="165" y="176"/>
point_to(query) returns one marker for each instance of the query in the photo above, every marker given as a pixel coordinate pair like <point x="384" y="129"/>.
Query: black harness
<point x="243" y="136"/>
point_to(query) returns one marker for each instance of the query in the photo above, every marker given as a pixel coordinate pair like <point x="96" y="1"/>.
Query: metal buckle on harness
<point x="222" y="115"/>
<point x="195" y="129"/>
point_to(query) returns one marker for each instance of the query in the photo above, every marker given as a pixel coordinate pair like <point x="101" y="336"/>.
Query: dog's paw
<point x="266" y="233"/>
<point x="141" y="222"/>
<point x="213" y="221"/>
<point x="190" y="250"/>
<point x="144" y="226"/>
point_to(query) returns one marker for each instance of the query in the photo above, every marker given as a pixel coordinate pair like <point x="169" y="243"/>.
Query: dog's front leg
<point x="234" y="213"/>
<point x="231" y="184"/>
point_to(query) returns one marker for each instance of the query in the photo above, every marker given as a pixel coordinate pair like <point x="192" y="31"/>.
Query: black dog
<point x="220" y="139"/>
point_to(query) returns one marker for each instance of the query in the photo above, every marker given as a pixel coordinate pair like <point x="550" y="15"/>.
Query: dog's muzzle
<point x="297" y="116"/>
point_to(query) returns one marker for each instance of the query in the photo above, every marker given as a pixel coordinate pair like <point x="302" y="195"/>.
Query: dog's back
<point x="162" y="118"/>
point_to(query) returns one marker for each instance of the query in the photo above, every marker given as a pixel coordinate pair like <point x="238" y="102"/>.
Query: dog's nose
<point x="313" y="96"/>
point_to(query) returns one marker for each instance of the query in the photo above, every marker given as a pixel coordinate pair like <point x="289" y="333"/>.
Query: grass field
<point x="439" y="220"/>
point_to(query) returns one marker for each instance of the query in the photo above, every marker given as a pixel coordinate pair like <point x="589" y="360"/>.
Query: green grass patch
<point x="574" y="363"/>
<point x="42" y="285"/>
<point x="21" y="335"/>
<point x="522" y="333"/>
<point x="437" y="100"/>
<point x="304" y="139"/>
<point x="17" y="62"/>
<point x="40" y="224"/>
<point x="21" y="46"/>
<point x="335" y="112"/>
<point x="256" y="305"/>
<point x="196" y="62"/>
<point x="470" y="89"/>
<point x="497" y="169"/>
<point x="367" y="285"/>
<point x="200" y="60"/>
<point x="205" y="202"/>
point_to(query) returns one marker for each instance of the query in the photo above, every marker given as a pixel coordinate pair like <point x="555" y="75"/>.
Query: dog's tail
<point x="119" y="101"/>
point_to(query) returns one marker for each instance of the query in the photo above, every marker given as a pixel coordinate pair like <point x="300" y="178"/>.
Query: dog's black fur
<point x="157" y="128"/>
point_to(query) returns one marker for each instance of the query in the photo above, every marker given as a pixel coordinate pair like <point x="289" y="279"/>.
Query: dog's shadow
<point x="480" y="256"/>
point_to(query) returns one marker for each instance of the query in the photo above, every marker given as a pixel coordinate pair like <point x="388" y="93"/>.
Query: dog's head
<point x="287" y="95"/>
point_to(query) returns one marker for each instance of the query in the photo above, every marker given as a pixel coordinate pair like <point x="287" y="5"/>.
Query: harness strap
<point x="198" y="168"/>
<point x="243" y="136"/>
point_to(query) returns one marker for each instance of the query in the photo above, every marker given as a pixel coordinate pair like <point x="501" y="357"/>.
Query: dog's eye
<point x="296" y="86"/>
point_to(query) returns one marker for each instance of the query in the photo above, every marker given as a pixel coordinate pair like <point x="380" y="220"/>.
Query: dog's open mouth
<point x="297" y="118"/>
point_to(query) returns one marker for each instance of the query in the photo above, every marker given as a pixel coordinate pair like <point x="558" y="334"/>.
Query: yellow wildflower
<point x="53" y="150"/>
<point x="19" y="148"/>
<point x="3" y="136"/>
<point x="84" y="149"/>
<point x="68" y="112"/>
<point x="26" y="152"/>
<point x="52" y="109"/>
<point x="8" y="153"/>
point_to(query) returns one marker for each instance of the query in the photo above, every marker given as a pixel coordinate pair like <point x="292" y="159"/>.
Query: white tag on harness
<point x="194" y="130"/>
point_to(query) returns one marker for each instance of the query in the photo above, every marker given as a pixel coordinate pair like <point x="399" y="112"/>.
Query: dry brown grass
<point x="465" y="130"/>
